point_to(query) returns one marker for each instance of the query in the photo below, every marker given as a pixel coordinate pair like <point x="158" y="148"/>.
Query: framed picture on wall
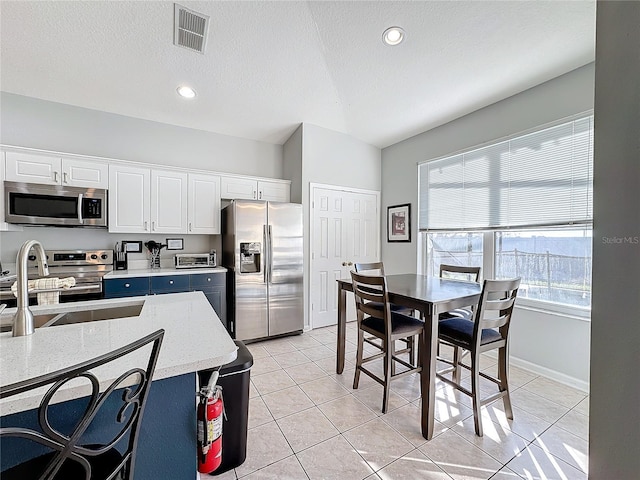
<point x="399" y="223"/>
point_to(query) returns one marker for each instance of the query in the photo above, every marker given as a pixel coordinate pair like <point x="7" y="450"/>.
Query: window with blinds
<point x="544" y="178"/>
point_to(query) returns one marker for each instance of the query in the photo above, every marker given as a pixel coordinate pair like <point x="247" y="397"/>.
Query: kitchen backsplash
<point x="54" y="238"/>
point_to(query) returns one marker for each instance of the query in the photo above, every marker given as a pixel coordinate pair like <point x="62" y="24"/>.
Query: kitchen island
<point x="194" y="339"/>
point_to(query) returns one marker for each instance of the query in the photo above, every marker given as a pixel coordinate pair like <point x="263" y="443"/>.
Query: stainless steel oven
<point x="36" y="204"/>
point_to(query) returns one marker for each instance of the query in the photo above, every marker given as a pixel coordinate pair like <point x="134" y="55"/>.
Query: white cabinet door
<point x="204" y="204"/>
<point x="274" y="191"/>
<point x="31" y="168"/>
<point x="84" y="173"/>
<point x="168" y="201"/>
<point x="129" y="199"/>
<point x="238" y="188"/>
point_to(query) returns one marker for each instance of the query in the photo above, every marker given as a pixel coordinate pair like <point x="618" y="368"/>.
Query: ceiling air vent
<point x="190" y="29"/>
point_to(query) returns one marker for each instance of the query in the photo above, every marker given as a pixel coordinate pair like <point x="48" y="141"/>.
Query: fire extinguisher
<point x="210" y="411"/>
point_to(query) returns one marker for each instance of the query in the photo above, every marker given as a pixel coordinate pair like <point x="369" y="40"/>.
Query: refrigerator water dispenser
<point x="250" y="257"/>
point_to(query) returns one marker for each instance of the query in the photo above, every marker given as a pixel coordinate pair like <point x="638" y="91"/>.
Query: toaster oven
<point x="195" y="260"/>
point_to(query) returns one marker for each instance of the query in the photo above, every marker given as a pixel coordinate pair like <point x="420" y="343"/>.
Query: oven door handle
<point x="80" y="219"/>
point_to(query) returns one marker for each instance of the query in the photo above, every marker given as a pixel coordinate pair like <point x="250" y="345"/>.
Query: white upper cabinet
<point x="241" y="188"/>
<point x="129" y="199"/>
<point x="168" y="201"/>
<point x="85" y="173"/>
<point x="51" y="170"/>
<point x="203" y="208"/>
<point x="274" y="191"/>
<point x="238" y="188"/>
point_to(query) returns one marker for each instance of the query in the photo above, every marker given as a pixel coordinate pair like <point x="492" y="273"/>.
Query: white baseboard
<point x="547" y="372"/>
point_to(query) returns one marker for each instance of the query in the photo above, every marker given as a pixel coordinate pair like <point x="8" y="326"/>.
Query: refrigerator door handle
<point x="265" y="250"/>
<point x="270" y="255"/>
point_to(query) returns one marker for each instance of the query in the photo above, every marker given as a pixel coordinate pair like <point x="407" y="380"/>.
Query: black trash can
<point x="234" y="380"/>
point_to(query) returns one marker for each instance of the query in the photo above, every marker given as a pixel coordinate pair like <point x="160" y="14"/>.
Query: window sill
<point x="566" y="311"/>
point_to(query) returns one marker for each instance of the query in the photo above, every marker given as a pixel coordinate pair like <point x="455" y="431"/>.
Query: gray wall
<point x="564" y="356"/>
<point x="615" y="353"/>
<point x="30" y="122"/>
<point x="292" y="163"/>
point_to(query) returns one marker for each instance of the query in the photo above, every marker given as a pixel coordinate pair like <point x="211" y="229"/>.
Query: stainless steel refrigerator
<point x="262" y="248"/>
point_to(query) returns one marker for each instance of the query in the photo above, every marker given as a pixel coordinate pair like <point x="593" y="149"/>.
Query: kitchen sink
<point x="82" y="316"/>
<point x="98" y="314"/>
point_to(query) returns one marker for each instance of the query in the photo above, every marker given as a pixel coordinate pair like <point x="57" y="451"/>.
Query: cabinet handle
<point x="170" y="282"/>
<point x="254" y="194"/>
<point x="208" y="279"/>
<point x="190" y="226"/>
<point x="65" y="177"/>
<point x="260" y="195"/>
<point x="153" y="226"/>
<point x="146" y="225"/>
<point x="127" y="285"/>
<point x="349" y="264"/>
<point x="55" y="177"/>
<point x="344" y="264"/>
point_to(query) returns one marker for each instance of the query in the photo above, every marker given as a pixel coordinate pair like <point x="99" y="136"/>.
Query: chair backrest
<point x="460" y="272"/>
<point x="132" y="386"/>
<point x="372" y="268"/>
<point x="371" y="289"/>
<point x="495" y="307"/>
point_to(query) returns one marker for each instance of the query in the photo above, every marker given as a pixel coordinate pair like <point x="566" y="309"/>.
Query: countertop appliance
<point x="194" y="260"/>
<point x="86" y="266"/>
<point x="263" y="250"/>
<point x="35" y="204"/>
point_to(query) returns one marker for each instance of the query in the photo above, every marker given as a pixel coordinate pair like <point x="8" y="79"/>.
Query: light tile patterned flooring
<point x="306" y="422"/>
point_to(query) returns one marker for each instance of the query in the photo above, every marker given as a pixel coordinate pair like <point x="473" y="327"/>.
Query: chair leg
<point x="503" y="368"/>
<point x="388" y="365"/>
<point x="412" y="350"/>
<point x="356" y="376"/>
<point x="457" y="369"/>
<point x="475" y="391"/>
<point x="393" y="353"/>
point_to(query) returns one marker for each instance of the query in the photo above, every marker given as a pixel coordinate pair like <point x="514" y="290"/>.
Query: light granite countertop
<point x="194" y="339"/>
<point x="152" y="272"/>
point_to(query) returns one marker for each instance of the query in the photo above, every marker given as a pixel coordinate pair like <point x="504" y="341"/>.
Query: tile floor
<point x="306" y="422"/>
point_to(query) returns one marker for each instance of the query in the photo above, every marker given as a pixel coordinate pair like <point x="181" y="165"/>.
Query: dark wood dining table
<point x="430" y="296"/>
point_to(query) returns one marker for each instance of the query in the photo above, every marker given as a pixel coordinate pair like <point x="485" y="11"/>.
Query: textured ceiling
<point x="272" y="65"/>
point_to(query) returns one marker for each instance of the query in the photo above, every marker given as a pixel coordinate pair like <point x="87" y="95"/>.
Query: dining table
<point x="430" y="296"/>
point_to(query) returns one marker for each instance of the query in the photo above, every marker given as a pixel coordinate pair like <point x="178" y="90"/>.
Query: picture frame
<point x="131" y="246"/>
<point x="175" y="244"/>
<point x="399" y="223"/>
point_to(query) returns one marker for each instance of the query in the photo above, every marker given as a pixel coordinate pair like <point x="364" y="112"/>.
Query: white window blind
<point x="544" y="178"/>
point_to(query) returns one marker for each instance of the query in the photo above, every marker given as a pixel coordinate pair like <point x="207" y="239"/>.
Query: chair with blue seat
<point x="375" y="318"/>
<point x="377" y="268"/>
<point x="459" y="272"/>
<point x="487" y="330"/>
<point x="67" y="454"/>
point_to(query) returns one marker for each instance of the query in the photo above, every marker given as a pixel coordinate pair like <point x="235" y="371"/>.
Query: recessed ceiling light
<point x="393" y="36"/>
<point x="186" y="92"/>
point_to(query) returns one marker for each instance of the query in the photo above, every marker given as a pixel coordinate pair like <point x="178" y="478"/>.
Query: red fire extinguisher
<point x="210" y="411"/>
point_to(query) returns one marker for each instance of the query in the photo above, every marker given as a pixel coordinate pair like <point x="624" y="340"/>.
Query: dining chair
<point x="459" y="272"/>
<point x="375" y="318"/>
<point x="487" y="330"/>
<point x="69" y="456"/>
<point x="377" y="268"/>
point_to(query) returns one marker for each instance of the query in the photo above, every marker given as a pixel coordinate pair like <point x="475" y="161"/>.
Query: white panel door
<point x="345" y="230"/>
<point x="85" y="173"/>
<point x="274" y="191"/>
<point x="30" y="168"/>
<point x="129" y="195"/>
<point x="238" y="188"/>
<point x="204" y="204"/>
<point x="168" y="201"/>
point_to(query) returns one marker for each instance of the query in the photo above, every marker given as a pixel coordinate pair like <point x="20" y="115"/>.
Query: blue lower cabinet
<point x="169" y="284"/>
<point x="167" y="439"/>
<point x="214" y="287"/>
<point x="126" y="287"/>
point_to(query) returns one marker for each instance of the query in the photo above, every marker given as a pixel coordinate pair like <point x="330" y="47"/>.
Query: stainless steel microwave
<point x="35" y="204"/>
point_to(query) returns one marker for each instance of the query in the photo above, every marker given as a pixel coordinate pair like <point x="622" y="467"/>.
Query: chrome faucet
<point x="23" y="319"/>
